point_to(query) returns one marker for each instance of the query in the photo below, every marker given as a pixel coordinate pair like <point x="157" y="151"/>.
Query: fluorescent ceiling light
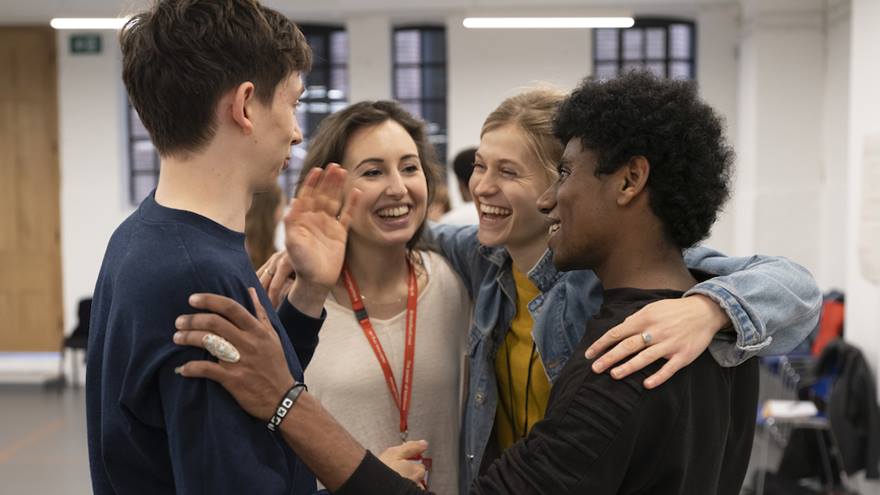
<point x="546" y="22"/>
<point x="88" y="23"/>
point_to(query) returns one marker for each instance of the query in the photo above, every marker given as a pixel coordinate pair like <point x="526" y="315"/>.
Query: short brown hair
<point x="328" y="144"/>
<point x="179" y="57"/>
<point x="532" y="111"/>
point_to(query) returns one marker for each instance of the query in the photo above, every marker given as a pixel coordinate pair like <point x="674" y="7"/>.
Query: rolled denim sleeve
<point x="773" y="303"/>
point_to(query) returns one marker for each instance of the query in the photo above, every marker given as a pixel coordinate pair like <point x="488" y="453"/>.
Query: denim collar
<point x="544" y="274"/>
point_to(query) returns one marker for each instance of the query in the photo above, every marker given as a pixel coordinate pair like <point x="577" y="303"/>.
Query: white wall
<point x="717" y="40"/>
<point x="782" y="72"/>
<point x="91" y="154"/>
<point x="863" y="297"/>
<point x="369" y="63"/>
<point x="486" y="66"/>
<point x="831" y="272"/>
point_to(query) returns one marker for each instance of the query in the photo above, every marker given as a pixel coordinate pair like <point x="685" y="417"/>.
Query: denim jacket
<point x="761" y="295"/>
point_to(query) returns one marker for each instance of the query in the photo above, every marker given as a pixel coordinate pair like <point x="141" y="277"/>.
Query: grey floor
<point x="43" y="444"/>
<point x="43" y="441"/>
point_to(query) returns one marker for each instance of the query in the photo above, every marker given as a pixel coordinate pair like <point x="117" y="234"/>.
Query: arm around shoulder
<point x="772" y="302"/>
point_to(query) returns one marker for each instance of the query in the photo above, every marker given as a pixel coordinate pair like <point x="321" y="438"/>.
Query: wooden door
<point x="30" y="251"/>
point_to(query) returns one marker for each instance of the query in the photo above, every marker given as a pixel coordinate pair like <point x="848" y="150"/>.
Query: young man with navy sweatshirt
<point x="216" y="84"/>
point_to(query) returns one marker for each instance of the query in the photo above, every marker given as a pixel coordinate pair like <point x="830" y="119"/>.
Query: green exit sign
<point x="85" y="44"/>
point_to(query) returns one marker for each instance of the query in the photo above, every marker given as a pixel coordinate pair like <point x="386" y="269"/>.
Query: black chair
<point x="78" y="340"/>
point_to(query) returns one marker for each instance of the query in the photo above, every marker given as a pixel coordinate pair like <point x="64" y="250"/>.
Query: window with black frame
<point x="326" y="92"/>
<point x="419" y="64"/>
<point x="143" y="160"/>
<point x="666" y="47"/>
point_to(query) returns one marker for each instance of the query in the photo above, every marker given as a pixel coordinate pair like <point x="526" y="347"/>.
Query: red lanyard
<point x="360" y="312"/>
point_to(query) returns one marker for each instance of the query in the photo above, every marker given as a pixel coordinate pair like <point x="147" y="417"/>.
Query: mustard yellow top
<point x="510" y="417"/>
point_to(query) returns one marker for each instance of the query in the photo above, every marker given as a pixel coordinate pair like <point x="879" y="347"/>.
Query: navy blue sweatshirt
<point x="150" y="430"/>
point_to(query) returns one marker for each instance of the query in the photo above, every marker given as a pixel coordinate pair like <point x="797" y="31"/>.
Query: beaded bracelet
<point x="286" y="404"/>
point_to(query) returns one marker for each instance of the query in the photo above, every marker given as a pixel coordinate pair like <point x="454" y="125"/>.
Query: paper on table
<point x="789" y="409"/>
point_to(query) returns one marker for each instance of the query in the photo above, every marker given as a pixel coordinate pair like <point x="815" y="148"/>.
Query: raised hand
<point x="316" y="227"/>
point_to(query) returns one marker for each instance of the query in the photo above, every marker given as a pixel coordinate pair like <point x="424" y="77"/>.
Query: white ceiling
<point x="14" y="12"/>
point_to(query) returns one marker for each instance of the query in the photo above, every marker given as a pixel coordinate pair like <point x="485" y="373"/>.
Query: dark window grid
<point x="424" y="32"/>
<point x="423" y="101"/>
<point x="643" y="25"/>
<point x="153" y="172"/>
<point x="323" y="66"/>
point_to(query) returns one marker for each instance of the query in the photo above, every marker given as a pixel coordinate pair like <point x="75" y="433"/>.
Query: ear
<point x="633" y="179"/>
<point x="243" y="101"/>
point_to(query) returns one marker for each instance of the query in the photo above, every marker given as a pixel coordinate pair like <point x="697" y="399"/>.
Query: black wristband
<point x="286" y="404"/>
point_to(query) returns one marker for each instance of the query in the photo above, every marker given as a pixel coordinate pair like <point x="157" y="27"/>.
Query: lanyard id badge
<point x="403" y="397"/>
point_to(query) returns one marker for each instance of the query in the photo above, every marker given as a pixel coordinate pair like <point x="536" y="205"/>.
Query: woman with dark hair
<point x="266" y="211"/>
<point x="398" y="315"/>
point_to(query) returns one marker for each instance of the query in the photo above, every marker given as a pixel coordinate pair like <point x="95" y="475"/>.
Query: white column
<point x="717" y="39"/>
<point x="369" y="63"/>
<point x="831" y="272"/>
<point x="779" y="133"/>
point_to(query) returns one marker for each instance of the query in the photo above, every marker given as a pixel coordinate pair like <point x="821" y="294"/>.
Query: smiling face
<point x="507" y="180"/>
<point x="277" y="131"/>
<point x="383" y="162"/>
<point x="581" y="207"/>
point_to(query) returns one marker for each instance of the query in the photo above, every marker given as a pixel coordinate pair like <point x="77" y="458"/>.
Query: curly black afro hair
<point x="639" y="114"/>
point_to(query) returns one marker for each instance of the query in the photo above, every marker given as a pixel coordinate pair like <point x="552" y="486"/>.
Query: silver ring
<point x="221" y="348"/>
<point x="646" y="338"/>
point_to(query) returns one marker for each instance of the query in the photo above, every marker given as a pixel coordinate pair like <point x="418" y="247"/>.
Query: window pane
<point x="680" y="70"/>
<point x="435" y="82"/>
<point x="339" y="47"/>
<point x="680" y="41"/>
<point x="317" y="41"/>
<point x="317" y="78"/>
<point x="413" y="107"/>
<point x="632" y="44"/>
<point x="606" y="70"/>
<point x="435" y="116"/>
<point x="408" y="82"/>
<point x="631" y="66"/>
<point x="138" y="131"/>
<point x="338" y="83"/>
<point x="657" y="68"/>
<point x="433" y="46"/>
<point x="606" y="44"/>
<point x="142" y="184"/>
<point x="407" y="47"/>
<point x="655" y="43"/>
<point x="143" y="156"/>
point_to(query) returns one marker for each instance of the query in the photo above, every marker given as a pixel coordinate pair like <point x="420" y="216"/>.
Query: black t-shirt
<point x="692" y="435"/>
